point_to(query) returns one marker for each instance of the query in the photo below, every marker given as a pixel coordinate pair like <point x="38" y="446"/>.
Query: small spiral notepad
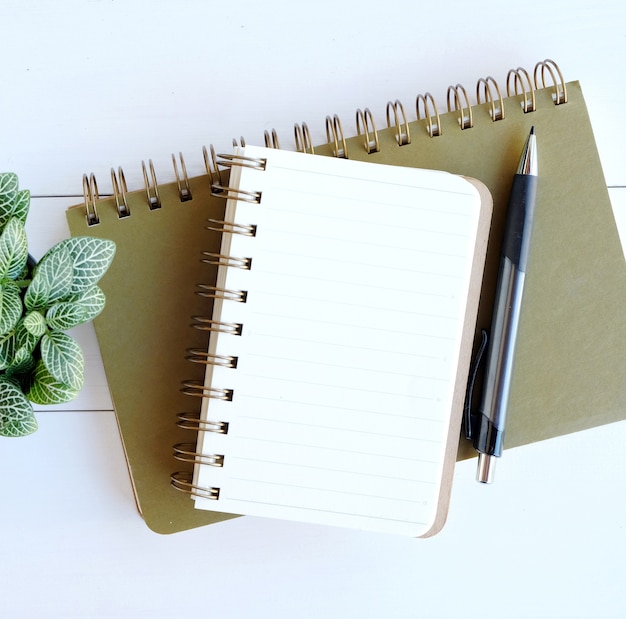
<point x="343" y="317"/>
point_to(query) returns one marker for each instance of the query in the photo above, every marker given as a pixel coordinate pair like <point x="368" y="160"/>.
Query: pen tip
<point x="532" y="130"/>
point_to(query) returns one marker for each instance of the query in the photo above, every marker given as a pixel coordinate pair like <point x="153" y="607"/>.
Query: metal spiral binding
<point x="222" y="260"/>
<point x="230" y="160"/>
<point x="519" y="83"/>
<point x="213" y="162"/>
<point x="559" y="96"/>
<point x="403" y="136"/>
<point x="231" y="227"/>
<point x="185" y="452"/>
<point x="304" y="144"/>
<point x="522" y="85"/>
<point x="496" y="112"/>
<point x="427" y="100"/>
<point x="334" y="134"/>
<point x="231" y="193"/>
<point x="271" y="140"/>
<point x="366" y="119"/>
<point x="210" y="164"/>
<point x="120" y="189"/>
<point x="90" y="192"/>
<point x="183" y="481"/>
<point x="205" y="323"/>
<point x="225" y="294"/>
<point x="198" y="355"/>
<point x="193" y="421"/>
<point x="184" y="190"/>
<point x="151" y="186"/>
<point x="464" y="111"/>
<point x="200" y="390"/>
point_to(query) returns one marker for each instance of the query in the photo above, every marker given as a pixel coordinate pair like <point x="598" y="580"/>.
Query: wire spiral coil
<point x="186" y="452"/>
<point x="193" y="421"/>
<point x="182" y="480"/>
<point x="519" y="83"/>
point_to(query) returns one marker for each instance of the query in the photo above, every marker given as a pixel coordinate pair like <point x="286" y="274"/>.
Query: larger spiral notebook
<point x="569" y="364"/>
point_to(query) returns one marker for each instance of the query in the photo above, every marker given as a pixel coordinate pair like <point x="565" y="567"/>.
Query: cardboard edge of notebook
<point x="465" y="355"/>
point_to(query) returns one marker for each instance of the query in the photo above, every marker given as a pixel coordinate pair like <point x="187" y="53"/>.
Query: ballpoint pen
<point x="487" y="426"/>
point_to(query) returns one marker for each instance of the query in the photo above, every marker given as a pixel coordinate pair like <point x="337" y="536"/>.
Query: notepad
<point x="160" y="232"/>
<point x="343" y="318"/>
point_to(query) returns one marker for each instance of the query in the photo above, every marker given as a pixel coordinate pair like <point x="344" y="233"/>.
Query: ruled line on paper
<point x="354" y="514"/>
<point x="388" y="415"/>
<point x="341" y="387"/>
<point x="348" y="325"/>
<point x="299" y="465"/>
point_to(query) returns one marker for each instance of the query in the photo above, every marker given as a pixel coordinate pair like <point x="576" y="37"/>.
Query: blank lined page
<point x="347" y="358"/>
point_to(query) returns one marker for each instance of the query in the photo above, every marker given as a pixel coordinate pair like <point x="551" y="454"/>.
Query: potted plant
<point x="39" y="362"/>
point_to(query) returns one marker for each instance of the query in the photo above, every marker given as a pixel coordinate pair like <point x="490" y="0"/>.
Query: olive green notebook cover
<point x="570" y="363"/>
<point x="145" y="331"/>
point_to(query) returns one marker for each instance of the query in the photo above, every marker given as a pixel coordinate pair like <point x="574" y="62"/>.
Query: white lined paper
<point x="352" y="328"/>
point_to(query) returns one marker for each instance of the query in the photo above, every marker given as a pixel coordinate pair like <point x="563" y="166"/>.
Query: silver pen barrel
<point x="489" y="424"/>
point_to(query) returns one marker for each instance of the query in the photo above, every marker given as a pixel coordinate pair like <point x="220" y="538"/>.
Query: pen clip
<point x="471" y="381"/>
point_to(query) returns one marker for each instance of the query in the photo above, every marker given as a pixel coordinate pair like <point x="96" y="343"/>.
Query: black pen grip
<point x="519" y="219"/>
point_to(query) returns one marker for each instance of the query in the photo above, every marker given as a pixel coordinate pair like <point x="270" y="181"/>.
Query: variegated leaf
<point x="16" y="412"/>
<point x="91" y="258"/>
<point x="10" y="307"/>
<point x="7" y="346"/>
<point x="8" y="191"/>
<point x="91" y="300"/>
<point x="65" y="315"/>
<point x="52" y="280"/>
<point x="24" y="338"/>
<point x="35" y="323"/>
<point x="21" y="205"/>
<point x="45" y="389"/>
<point x="77" y="310"/>
<point x="13" y="249"/>
<point x="63" y="358"/>
<point x="21" y="365"/>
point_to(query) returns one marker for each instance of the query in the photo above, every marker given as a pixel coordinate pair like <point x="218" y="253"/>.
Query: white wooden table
<point x="91" y="85"/>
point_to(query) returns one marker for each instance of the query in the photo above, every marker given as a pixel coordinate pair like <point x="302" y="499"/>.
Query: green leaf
<point x="13" y="249"/>
<point x="8" y="191"/>
<point x="16" y="412"/>
<point x="91" y="258"/>
<point x="77" y="310"/>
<point x="45" y="389"/>
<point x="24" y="338"/>
<point x="10" y="307"/>
<point x="21" y="205"/>
<point x="52" y="280"/>
<point x="65" y="315"/>
<point x="7" y="346"/>
<point x="35" y="323"/>
<point x="63" y="358"/>
<point x="91" y="300"/>
<point x="22" y="364"/>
